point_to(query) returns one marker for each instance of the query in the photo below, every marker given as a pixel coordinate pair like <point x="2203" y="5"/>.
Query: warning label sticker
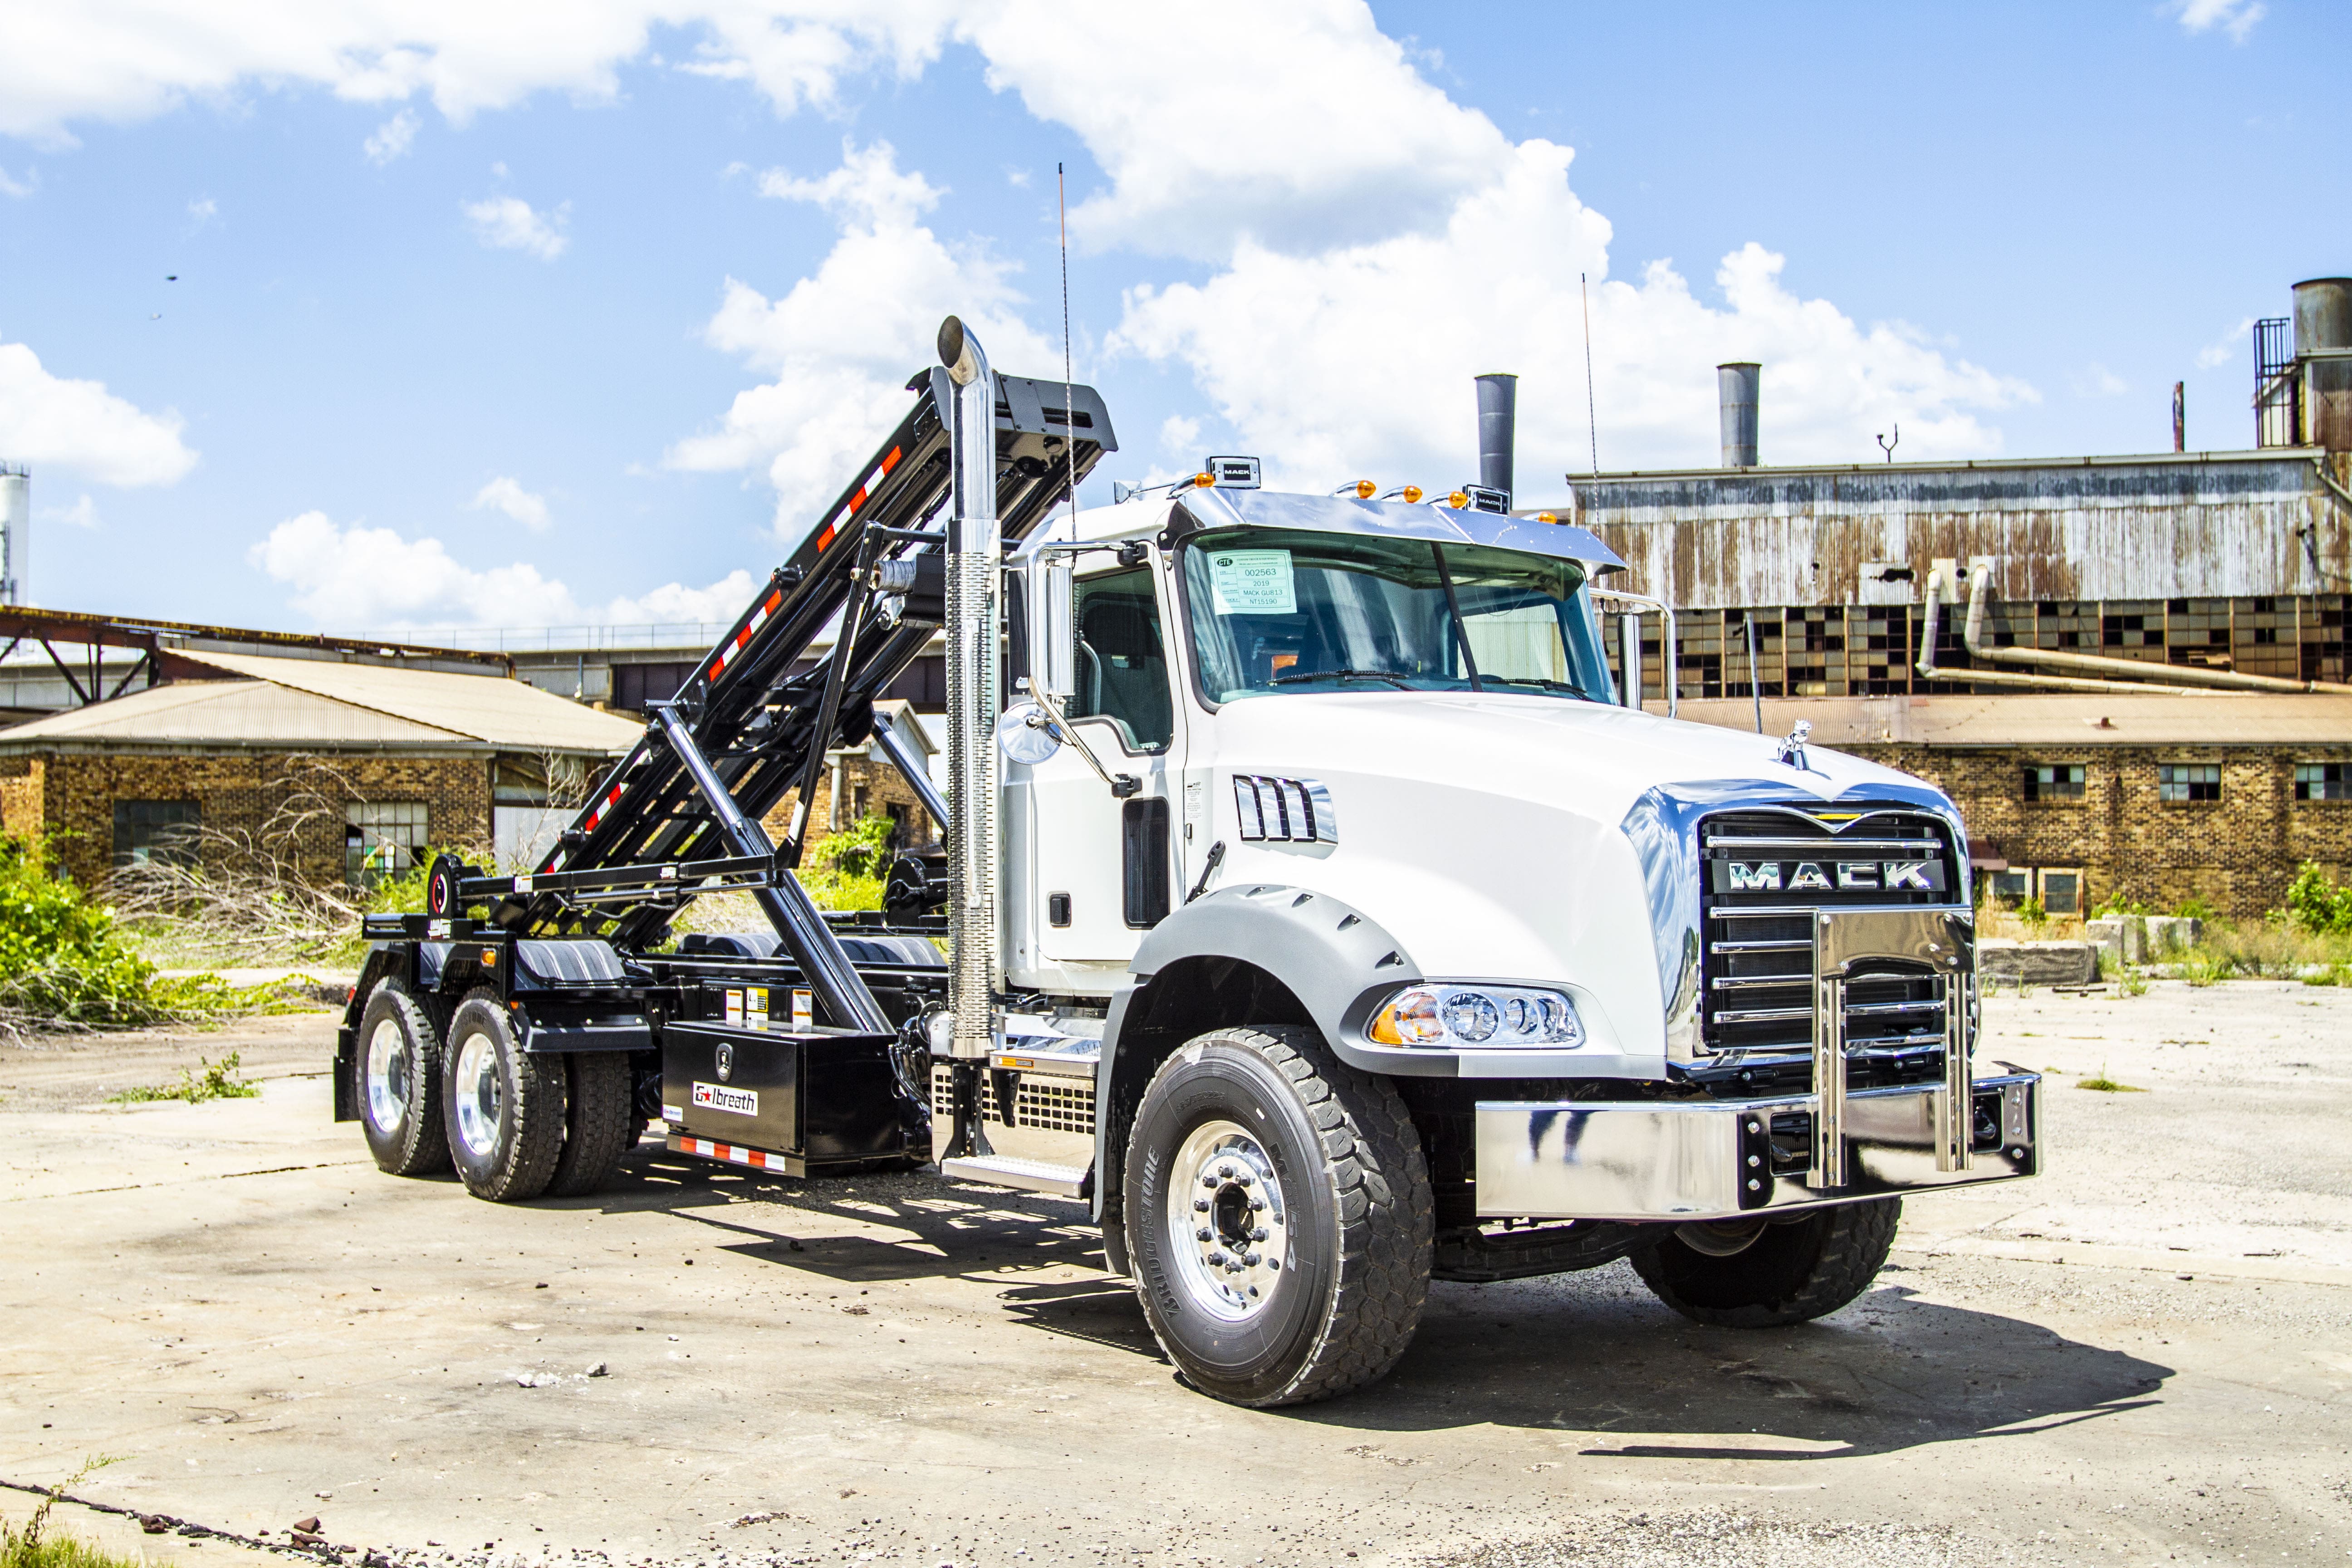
<point x="718" y="1097"/>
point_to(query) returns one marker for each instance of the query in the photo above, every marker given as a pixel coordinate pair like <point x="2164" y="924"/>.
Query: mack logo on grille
<point x="1828" y="876"/>
<point x="718" y="1097"/>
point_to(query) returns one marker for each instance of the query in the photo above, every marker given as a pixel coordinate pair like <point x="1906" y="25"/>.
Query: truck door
<point x="1103" y="867"/>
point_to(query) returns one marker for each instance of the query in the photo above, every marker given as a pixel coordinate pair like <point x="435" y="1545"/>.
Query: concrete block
<point x="2122" y="936"/>
<point x="2169" y="934"/>
<point x="2006" y="960"/>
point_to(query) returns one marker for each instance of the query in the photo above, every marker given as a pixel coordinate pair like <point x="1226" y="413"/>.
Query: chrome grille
<point x="1066" y="1106"/>
<point x="1764" y="873"/>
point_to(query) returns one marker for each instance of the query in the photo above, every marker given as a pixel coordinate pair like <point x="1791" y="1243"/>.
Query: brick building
<point x="860" y="781"/>
<point x="340" y="770"/>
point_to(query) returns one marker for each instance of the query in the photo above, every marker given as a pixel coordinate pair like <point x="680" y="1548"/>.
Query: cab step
<point x="1029" y="1175"/>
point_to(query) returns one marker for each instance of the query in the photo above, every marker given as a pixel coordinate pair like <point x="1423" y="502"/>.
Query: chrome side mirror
<point x="1052" y="658"/>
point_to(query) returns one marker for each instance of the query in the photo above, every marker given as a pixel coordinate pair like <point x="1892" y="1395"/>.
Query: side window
<point x="1122" y="664"/>
<point x="147" y="830"/>
<point x="381" y="839"/>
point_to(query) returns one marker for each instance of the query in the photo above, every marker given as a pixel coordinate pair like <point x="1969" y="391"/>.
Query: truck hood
<point x="1588" y="757"/>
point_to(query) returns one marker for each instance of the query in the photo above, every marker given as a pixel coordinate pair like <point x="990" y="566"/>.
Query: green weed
<point x="34" y="1547"/>
<point x="219" y="1080"/>
<point x="2100" y="1081"/>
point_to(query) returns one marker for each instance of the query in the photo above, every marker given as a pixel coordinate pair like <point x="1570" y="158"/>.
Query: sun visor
<point x="1200" y="510"/>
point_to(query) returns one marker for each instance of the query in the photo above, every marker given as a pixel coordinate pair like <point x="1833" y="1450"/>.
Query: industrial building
<point x="2129" y="671"/>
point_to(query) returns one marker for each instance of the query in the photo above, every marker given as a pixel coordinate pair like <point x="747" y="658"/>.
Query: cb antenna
<point x="1069" y="398"/>
<point x="1591" y="415"/>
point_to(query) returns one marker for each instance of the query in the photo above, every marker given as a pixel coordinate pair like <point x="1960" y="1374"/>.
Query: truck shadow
<point x="1593" y="1357"/>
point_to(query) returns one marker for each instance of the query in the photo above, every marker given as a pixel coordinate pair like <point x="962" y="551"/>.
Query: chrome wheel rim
<point x="1228" y="1225"/>
<point x="387" y="1075"/>
<point x="479" y="1091"/>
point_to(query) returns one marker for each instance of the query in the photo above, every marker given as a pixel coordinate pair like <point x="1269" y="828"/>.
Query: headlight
<point x="1489" y="1016"/>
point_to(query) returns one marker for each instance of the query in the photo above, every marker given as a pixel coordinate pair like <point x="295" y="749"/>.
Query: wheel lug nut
<point x="1244" y="1179"/>
<point x="1208" y="1180"/>
<point x="1258" y="1234"/>
<point x="1256" y="1205"/>
<point x="1216" y="1257"/>
<point x="1200" y="1205"/>
<point x="1202" y="1234"/>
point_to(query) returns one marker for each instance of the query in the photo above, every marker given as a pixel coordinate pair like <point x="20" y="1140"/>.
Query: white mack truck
<point x="1316" y="906"/>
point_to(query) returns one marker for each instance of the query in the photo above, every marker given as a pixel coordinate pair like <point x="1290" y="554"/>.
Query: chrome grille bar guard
<point x="1845" y="940"/>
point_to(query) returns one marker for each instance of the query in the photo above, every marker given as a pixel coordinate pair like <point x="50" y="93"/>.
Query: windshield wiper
<point x="1394" y="680"/>
<point x="1534" y="680"/>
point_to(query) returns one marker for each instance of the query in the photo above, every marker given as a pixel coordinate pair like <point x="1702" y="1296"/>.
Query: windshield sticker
<point x="1252" y="583"/>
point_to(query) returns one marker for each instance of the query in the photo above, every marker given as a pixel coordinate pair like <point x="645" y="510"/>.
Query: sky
<point x="402" y="314"/>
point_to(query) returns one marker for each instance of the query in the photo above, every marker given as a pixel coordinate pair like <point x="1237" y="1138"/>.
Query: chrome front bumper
<point x="1699" y="1159"/>
<point x="1693" y="1160"/>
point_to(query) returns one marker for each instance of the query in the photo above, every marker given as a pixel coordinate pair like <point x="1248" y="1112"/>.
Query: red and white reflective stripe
<point x="759" y="619"/>
<point x="758" y="1159"/>
<point x="865" y="493"/>
<point x="603" y="807"/>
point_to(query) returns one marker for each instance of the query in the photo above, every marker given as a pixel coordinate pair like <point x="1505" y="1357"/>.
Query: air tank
<point x="2323" y="339"/>
<point x="1737" y="384"/>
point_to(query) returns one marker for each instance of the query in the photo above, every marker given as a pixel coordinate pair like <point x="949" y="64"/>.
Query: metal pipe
<point x="1498" y="419"/>
<point x="1755" y="681"/>
<point x="785" y="902"/>
<point x="1979" y="585"/>
<point x="1737" y="387"/>
<point x="975" y="558"/>
<point x="1930" y="620"/>
<point x="910" y="768"/>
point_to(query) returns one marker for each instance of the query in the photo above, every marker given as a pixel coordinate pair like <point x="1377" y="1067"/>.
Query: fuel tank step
<point x="1029" y="1175"/>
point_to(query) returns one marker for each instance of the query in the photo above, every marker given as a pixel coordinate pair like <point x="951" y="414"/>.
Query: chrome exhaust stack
<point x="976" y="556"/>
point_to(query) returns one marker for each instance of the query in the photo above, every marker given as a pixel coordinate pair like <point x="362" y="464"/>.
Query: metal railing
<point x="2278" y="390"/>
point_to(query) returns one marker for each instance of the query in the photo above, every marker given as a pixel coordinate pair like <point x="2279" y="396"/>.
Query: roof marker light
<point x="1203" y="480"/>
<point x="1458" y="500"/>
<point x="1547" y="517"/>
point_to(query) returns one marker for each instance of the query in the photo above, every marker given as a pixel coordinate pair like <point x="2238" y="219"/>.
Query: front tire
<point x="396" y="1076"/>
<point x="1279" y="1217"/>
<point x="1789" y="1273"/>
<point x="503" y="1105"/>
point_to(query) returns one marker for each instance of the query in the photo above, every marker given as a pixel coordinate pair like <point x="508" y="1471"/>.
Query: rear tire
<point x="396" y="1083"/>
<point x="1278" y="1215"/>
<point x="1805" y="1268"/>
<point x="503" y="1106"/>
<point x="598" y="1123"/>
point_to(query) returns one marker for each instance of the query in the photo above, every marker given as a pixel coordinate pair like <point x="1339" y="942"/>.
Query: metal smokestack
<point x="1499" y="421"/>
<point x="15" y="532"/>
<point x="1737" y="384"/>
<point x="975" y="558"/>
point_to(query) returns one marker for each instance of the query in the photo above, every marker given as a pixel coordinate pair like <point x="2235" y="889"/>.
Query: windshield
<point x="1276" y="610"/>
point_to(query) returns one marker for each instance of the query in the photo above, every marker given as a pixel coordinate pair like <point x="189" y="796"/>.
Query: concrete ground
<point x="2144" y="1356"/>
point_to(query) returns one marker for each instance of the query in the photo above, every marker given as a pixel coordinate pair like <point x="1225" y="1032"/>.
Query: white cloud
<point x="2095" y="380"/>
<point x="841" y="342"/>
<point x="506" y="495"/>
<point x="508" y="223"/>
<point x="203" y="212"/>
<point x="362" y="578"/>
<point x="392" y="138"/>
<point x="1358" y="360"/>
<point x="1179" y="435"/>
<point x="2226" y="347"/>
<point x="12" y="186"/>
<point x="2235" y="17"/>
<point x="83" y="514"/>
<point x="81" y="425"/>
<point x="122" y="60"/>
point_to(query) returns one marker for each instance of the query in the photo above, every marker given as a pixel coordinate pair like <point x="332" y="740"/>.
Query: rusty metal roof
<point x="2058" y="718"/>
<point x="316" y="702"/>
